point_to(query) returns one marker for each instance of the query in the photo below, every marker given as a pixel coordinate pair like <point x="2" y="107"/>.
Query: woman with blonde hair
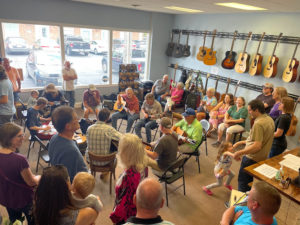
<point x="278" y="94"/>
<point x="133" y="160"/>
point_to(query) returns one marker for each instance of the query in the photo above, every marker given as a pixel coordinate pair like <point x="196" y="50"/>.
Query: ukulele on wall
<point x="178" y="50"/>
<point x="187" y="48"/>
<point x="293" y="126"/>
<point x="202" y="49"/>
<point x="229" y="61"/>
<point x="290" y="72"/>
<point x="210" y="56"/>
<point x="270" y="69"/>
<point x="256" y="64"/>
<point x="242" y="64"/>
<point x="171" y="45"/>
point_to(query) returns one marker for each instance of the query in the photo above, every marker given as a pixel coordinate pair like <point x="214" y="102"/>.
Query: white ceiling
<point x="204" y="5"/>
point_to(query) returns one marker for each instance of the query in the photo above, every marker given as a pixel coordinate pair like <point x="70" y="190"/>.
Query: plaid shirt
<point x="99" y="137"/>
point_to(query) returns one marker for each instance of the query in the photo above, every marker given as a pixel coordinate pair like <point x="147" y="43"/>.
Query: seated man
<point x="54" y="96"/>
<point x="193" y="129"/>
<point x="33" y="122"/>
<point x="263" y="203"/>
<point x="130" y="111"/>
<point x="148" y="200"/>
<point x="91" y="101"/>
<point x="100" y="135"/>
<point x="151" y="110"/>
<point x="62" y="149"/>
<point x="165" y="148"/>
<point x="160" y="88"/>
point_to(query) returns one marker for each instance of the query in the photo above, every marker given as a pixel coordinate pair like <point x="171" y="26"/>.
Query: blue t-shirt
<point x="245" y="218"/>
<point x="65" y="152"/>
<point x="7" y="90"/>
<point x="32" y="120"/>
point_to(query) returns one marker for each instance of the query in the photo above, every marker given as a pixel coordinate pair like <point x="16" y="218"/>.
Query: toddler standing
<point x="32" y="99"/>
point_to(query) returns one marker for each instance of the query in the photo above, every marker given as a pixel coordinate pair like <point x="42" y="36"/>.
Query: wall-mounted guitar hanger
<point x="241" y="36"/>
<point x="249" y="86"/>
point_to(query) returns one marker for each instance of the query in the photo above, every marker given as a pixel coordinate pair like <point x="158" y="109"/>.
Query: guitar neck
<point x="262" y="36"/>
<point x="187" y="40"/>
<point x="228" y="82"/>
<point x="295" y="51"/>
<point x="236" y="87"/>
<point x="276" y="45"/>
<point x="216" y="85"/>
<point x="247" y="42"/>
<point x="204" y="39"/>
<point x="212" y="43"/>
<point x="232" y="44"/>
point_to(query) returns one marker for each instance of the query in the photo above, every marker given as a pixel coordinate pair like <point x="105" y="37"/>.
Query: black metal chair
<point x="172" y="174"/>
<point x="42" y="154"/>
<point x="133" y="125"/>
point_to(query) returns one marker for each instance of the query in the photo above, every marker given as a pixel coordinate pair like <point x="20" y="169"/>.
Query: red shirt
<point x="89" y="98"/>
<point x="132" y="103"/>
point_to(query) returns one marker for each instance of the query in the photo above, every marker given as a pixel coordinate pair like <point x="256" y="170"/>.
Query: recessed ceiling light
<point x="183" y="9"/>
<point x="135" y="5"/>
<point x="239" y="6"/>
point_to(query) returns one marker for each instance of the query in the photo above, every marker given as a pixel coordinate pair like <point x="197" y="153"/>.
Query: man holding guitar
<point x="130" y="112"/>
<point x="160" y="89"/>
<point x="151" y="110"/>
<point x="193" y="129"/>
<point x="266" y="97"/>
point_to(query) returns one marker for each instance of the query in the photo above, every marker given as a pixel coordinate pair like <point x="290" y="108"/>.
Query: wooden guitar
<point x="229" y="61"/>
<point x="188" y="81"/>
<point x="206" y="82"/>
<point x="290" y="72"/>
<point x="202" y="49"/>
<point x="182" y="135"/>
<point x="187" y="48"/>
<point x="120" y="104"/>
<point x="256" y="64"/>
<point x="227" y="88"/>
<point x="242" y="64"/>
<point x="293" y="126"/>
<point x="217" y="94"/>
<point x="178" y="50"/>
<point x="171" y="45"/>
<point x="172" y="81"/>
<point x="210" y="56"/>
<point x="270" y="69"/>
<point x="235" y="90"/>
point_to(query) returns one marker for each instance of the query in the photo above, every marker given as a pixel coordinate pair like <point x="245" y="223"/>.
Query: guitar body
<point x="270" y="69"/>
<point x="293" y="126"/>
<point x="210" y="57"/>
<point x="186" y="51"/>
<point x="178" y="51"/>
<point x="202" y="52"/>
<point x="242" y="64"/>
<point x="290" y="72"/>
<point x="256" y="65"/>
<point x="170" y="49"/>
<point x="229" y="62"/>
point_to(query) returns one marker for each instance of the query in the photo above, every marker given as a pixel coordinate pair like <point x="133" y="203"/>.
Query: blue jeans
<point x="70" y="96"/>
<point x="277" y="149"/>
<point x="124" y="115"/>
<point x="148" y="124"/>
<point x="16" y="214"/>
<point x="244" y="178"/>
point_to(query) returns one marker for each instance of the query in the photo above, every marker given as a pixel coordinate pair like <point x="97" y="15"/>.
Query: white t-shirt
<point x="69" y="85"/>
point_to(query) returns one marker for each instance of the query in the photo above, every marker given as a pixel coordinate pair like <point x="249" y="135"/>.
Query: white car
<point x="98" y="47"/>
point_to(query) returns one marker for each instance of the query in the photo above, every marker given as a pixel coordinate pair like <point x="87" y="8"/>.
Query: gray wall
<point x="257" y="23"/>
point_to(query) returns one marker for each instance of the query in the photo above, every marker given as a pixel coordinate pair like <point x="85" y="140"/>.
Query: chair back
<point x="205" y="125"/>
<point x="102" y="158"/>
<point x="176" y="168"/>
<point x="43" y="151"/>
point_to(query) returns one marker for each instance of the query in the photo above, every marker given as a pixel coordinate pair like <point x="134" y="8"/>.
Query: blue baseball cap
<point x="189" y="112"/>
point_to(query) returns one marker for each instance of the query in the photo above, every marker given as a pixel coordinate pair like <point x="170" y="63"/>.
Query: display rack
<point x="128" y="77"/>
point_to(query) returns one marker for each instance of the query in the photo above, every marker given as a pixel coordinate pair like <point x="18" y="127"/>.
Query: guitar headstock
<point x="207" y="75"/>
<point x="228" y="80"/>
<point x="176" y="66"/>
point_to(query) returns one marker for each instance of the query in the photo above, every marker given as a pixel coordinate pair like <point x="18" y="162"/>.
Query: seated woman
<point x="16" y="178"/>
<point x="133" y="158"/>
<point x="217" y="114"/>
<point x="56" y="207"/>
<point x="176" y="96"/>
<point x="208" y="102"/>
<point x="234" y="121"/>
<point x="54" y="96"/>
<point x="282" y="125"/>
<point x="278" y="94"/>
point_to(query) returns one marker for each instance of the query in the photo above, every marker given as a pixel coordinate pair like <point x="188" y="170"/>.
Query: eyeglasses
<point x="21" y="136"/>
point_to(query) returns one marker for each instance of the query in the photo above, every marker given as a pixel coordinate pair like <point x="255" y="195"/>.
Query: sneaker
<point x="228" y="186"/>
<point x="216" y="144"/>
<point x="17" y="222"/>
<point x="207" y="191"/>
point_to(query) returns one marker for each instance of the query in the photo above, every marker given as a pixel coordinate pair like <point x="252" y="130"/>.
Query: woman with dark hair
<point x="16" y="178"/>
<point x="53" y="201"/>
<point x="7" y="107"/>
<point x="217" y="114"/>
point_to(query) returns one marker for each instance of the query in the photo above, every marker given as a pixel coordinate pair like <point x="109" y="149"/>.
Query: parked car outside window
<point x="16" y="45"/>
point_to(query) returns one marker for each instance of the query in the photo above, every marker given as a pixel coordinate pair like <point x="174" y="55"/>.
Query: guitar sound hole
<point x="242" y="58"/>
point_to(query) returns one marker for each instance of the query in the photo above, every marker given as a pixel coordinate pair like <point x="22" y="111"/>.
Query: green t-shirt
<point x="241" y="114"/>
<point x="194" y="131"/>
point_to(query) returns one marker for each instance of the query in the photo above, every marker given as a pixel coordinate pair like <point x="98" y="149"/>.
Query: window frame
<point x="61" y="29"/>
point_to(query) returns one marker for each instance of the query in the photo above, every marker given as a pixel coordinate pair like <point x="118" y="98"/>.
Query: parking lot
<point x="88" y="68"/>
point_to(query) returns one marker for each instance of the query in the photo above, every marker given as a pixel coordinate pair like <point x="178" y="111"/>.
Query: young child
<point x="32" y="99"/>
<point x="222" y="168"/>
<point x="82" y="186"/>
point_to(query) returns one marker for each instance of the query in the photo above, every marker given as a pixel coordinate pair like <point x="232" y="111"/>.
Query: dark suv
<point x="76" y="44"/>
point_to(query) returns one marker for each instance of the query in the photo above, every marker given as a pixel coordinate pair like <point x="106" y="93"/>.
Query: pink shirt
<point x="178" y="93"/>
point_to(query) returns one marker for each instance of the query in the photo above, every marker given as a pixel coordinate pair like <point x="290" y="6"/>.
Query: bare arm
<point x="228" y="216"/>
<point x="3" y="99"/>
<point x="255" y="147"/>
<point x="217" y="106"/>
<point x="151" y="154"/>
<point x="30" y="179"/>
<point x="86" y="216"/>
<point x="278" y="133"/>
<point x="152" y="90"/>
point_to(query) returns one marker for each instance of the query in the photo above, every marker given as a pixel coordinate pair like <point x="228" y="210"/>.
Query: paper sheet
<point x="266" y="170"/>
<point x="291" y="161"/>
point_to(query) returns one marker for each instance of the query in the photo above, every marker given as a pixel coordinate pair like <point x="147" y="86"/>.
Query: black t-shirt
<point x="166" y="147"/>
<point x="267" y="99"/>
<point x="32" y="120"/>
<point x="282" y="122"/>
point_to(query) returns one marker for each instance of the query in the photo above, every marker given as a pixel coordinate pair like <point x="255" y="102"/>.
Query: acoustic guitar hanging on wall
<point x="242" y="64"/>
<point x="290" y="72"/>
<point x="210" y="56"/>
<point x="178" y="49"/>
<point x="202" y="49"/>
<point x="171" y="45"/>
<point x="293" y="125"/>
<point x="187" y="48"/>
<point x="229" y="61"/>
<point x="256" y="64"/>
<point x="270" y="69"/>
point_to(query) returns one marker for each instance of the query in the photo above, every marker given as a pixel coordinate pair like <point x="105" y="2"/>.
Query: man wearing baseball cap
<point x="266" y="97"/>
<point x="165" y="148"/>
<point x="192" y="127"/>
<point x="91" y="101"/>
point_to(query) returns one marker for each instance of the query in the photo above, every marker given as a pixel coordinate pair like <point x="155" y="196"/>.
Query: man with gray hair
<point x="160" y="88"/>
<point x="148" y="200"/>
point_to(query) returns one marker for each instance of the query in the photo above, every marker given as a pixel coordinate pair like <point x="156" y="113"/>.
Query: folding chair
<point x="42" y="154"/>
